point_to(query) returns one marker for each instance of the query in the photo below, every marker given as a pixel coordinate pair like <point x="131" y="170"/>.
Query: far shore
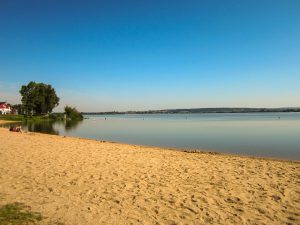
<point x="79" y="181"/>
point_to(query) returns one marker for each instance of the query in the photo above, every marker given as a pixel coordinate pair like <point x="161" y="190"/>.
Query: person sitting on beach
<point x="16" y="129"/>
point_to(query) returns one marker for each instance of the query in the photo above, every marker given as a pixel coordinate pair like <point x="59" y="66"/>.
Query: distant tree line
<point x="201" y="110"/>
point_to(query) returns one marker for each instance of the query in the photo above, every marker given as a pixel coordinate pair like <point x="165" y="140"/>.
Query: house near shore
<point x="5" y="108"/>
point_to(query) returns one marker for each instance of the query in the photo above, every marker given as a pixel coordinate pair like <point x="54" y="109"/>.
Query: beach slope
<point x="78" y="181"/>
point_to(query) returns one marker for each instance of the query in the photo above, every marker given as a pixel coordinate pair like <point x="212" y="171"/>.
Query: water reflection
<point x="42" y="127"/>
<point x="71" y="125"/>
<point x="47" y="127"/>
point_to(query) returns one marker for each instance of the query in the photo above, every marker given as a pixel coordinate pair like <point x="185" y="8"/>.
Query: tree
<point x="38" y="98"/>
<point x="18" y="108"/>
<point x="72" y="113"/>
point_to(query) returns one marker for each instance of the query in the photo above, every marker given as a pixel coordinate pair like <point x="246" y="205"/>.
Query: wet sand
<point x="80" y="181"/>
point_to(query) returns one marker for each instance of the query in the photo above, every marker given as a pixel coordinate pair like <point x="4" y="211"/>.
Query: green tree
<point x="19" y="108"/>
<point x="38" y="98"/>
<point x="72" y="113"/>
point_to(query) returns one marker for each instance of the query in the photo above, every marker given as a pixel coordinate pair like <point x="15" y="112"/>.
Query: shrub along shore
<point x="70" y="113"/>
<point x="53" y="116"/>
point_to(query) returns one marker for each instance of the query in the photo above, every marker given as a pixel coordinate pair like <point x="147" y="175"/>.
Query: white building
<point x="5" y="108"/>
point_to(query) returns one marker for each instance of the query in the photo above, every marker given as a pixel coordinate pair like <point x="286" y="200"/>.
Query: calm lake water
<point x="258" y="134"/>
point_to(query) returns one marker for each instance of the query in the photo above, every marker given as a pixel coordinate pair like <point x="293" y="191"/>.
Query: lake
<point x="258" y="134"/>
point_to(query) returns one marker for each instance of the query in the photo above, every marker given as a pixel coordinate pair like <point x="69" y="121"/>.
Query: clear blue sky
<point x="153" y="54"/>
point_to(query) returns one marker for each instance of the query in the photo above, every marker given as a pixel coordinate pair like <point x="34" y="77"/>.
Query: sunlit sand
<point x="79" y="181"/>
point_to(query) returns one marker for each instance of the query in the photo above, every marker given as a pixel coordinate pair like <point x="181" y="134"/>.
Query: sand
<point x="8" y="121"/>
<point x="79" y="181"/>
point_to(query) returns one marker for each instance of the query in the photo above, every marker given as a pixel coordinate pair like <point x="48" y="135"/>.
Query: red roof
<point x="4" y="105"/>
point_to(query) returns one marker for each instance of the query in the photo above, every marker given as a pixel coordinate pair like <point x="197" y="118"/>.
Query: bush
<point x="56" y="116"/>
<point x="72" y="113"/>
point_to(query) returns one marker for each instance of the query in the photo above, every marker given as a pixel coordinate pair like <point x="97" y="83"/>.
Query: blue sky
<point x="150" y="54"/>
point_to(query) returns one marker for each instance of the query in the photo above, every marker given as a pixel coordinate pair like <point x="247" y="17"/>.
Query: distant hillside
<point x="202" y="110"/>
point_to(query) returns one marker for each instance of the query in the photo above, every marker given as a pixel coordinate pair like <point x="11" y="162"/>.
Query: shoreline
<point x="9" y="121"/>
<point x="190" y="151"/>
<point x="85" y="181"/>
<point x="185" y="150"/>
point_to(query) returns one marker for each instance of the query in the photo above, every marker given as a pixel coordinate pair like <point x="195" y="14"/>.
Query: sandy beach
<point x="78" y="181"/>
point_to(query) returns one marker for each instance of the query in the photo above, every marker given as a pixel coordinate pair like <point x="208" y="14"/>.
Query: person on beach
<point x="16" y="129"/>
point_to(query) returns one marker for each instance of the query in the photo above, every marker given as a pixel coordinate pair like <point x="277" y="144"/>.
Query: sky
<point x="153" y="54"/>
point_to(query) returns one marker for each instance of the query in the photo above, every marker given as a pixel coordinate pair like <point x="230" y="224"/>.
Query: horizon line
<point x="157" y="110"/>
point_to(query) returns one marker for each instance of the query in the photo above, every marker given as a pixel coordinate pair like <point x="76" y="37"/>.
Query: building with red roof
<point x="5" y="108"/>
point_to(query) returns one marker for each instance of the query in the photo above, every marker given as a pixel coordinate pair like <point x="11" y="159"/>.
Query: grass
<point x="18" y="214"/>
<point x="21" y="214"/>
<point x="12" y="117"/>
<point x="52" y="117"/>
